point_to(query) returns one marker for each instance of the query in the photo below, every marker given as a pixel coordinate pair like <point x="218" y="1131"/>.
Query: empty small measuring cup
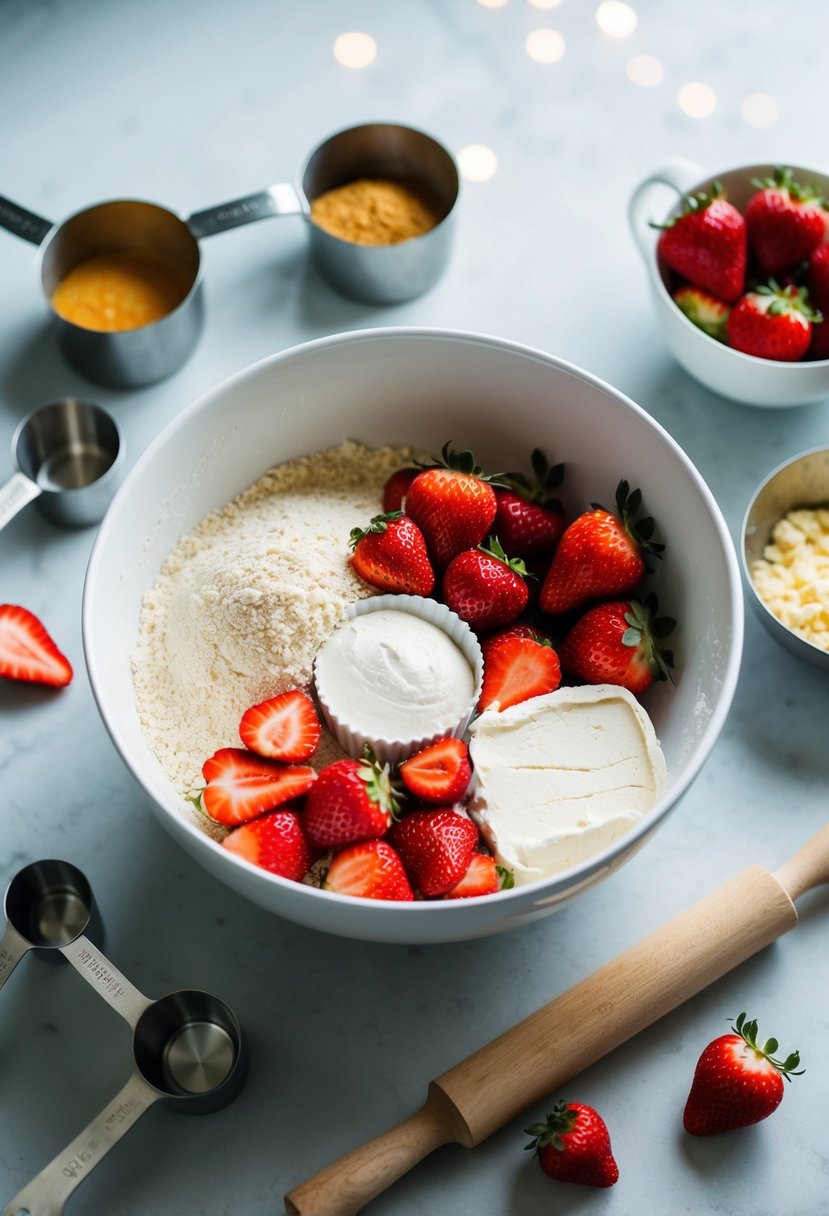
<point x="48" y="904"/>
<point x="70" y="457"/>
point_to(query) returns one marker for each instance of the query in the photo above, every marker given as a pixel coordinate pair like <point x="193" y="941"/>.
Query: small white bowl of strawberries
<point x="739" y="271"/>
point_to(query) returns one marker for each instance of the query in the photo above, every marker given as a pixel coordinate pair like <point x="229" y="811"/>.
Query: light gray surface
<point x="188" y="104"/>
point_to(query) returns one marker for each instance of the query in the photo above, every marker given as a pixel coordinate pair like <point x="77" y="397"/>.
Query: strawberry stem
<point x="377" y="524"/>
<point x="493" y="548"/>
<point x="748" y="1033"/>
<point x="463" y="462"/>
<point x="559" y="1123"/>
<point x="379" y="785"/>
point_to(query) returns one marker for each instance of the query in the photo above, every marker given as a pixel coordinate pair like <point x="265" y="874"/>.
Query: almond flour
<point x="244" y="602"/>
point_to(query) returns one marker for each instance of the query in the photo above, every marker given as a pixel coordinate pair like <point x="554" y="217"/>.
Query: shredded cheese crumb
<point x="792" y="576"/>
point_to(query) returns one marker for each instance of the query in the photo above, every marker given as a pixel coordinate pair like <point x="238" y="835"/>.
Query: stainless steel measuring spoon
<point x="68" y="455"/>
<point x="48" y="904"/>
<point x="188" y="1051"/>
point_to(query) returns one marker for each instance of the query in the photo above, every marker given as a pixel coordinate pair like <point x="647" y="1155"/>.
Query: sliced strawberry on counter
<point x="516" y="669"/>
<point x="573" y="1145"/>
<point x="453" y="504"/>
<point x="737" y="1082"/>
<point x="285" y="727"/>
<point x="396" y="489"/>
<point x="817" y="281"/>
<point x="485" y="587"/>
<point x="601" y="555"/>
<point x="27" y="652"/>
<point x="529" y="519"/>
<point x="785" y="222"/>
<point x="241" y="785"/>
<point x="371" y="870"/>
<point x="703" y="310"/>
<point x="352" y="800"/>
<point x="620" y="642"/>
<point x="440" y="773"/>
<point x="483" y="877"/>
<point x="391" y="554"/>
<point x="275" y="842"/>
<point x="435" y="847"/>
<point x="707" y="244"/>
<point x="773" y="323"/>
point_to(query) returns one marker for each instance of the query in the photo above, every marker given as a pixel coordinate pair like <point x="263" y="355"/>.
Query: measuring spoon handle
<point x="15" y="494"/>
<point x="47" y="1193"/>
<point x="107" y="980"/>
<point x="23" y="223"/>
<point x="281" y="199"/>
<point x="12" y="948"/>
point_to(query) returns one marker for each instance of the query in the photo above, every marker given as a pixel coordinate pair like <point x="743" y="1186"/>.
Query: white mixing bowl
<point x="419" y="387"/>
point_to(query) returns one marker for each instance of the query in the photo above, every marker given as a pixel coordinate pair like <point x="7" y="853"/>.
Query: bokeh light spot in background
<point x="355" y="50"/>
<point x="545" y="3"/>
<point x="697" y="100"/>
<point x="545" y="46"/>
<point x="616" y="19"/>
<point x="760" y="110"/>
<point x="477" y="162"/>
<point x="645" y="70"/>
<point x="493" y="3"/>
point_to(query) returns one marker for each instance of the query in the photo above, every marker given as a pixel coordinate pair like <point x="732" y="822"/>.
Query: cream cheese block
<point x="560" y="777"/>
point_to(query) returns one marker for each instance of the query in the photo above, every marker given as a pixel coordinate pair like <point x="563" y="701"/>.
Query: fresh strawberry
<point x="27" y="652"/>
<point x="241" y="785"/>
<point x="485" y="587"/>
<point x="435" y="847"/>
<point x="518" y="629"/>
<point x="772" y="323"/>
<point x="516" y="669"/>
<point x="275" y="842"/>
<point x="371" y="870"/>
<point x="396" y="489"/>
<point x="817" y="281"/>
<point x="736" y="1082"/>
<point x="453" y="504"/>
<point x="284" y="728"/>
<point x="573" y="1145"/>
<point x="703" y="310"/>
<point x="391" y="554"/>
<point x="483" y="877"/>
<point x="619" y="642"/>
<point x="351" y="800"/>
<point x="600" y="555"/>
<point x="529" y="519"/>
<point x="785" y="222"/>
<point x="707" y="244"/>
<point x="440" y="773"/>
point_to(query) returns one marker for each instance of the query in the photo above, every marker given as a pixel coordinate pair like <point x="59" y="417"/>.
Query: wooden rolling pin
<point x="522" y="1066"/>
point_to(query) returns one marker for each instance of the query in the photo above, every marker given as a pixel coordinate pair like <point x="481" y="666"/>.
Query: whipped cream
<point x="391" y="675"/>
<point x="560" y="777"/>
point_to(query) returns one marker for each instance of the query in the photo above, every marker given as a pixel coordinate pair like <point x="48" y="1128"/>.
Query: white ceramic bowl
<point x="759" y="382"/>
<point x="421" y="387"/>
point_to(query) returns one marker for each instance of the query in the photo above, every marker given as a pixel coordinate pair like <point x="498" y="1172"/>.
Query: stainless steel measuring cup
<point x="48" y="904"/>
<point x="70" y="457"/>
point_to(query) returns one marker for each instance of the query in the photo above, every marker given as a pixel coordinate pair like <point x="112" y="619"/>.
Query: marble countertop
<point x="191" y="103"/>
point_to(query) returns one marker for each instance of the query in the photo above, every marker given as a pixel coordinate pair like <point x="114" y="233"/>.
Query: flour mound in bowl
<point x="244" y="602"/>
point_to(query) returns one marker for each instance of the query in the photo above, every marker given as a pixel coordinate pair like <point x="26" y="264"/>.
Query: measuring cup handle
<point x="12" y="948"/>
<point x="23" y="223"/>
<point x="47" y="1193"/>
<point x="15" y="494"/>
<point x="682" y="175"/>
<point x="107" y="980"/>
<point x="281" y="199"/>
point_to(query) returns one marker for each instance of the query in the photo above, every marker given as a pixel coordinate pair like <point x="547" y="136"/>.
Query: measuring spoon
<point x="48" y="904"/>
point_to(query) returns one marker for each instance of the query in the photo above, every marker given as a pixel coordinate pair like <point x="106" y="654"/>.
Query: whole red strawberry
<point x="736" y="1082"/>
<point x="453" y="504"/>
<point x="485" y="587"/>
<point x="707" y="244"/>
<point x="396" y="489"/>
<point x="573" y="1145"/>
<point x="353" y="800"/>
<point x="619" y="642"/>
<point x="785" y="222"/>
<point x="435" y="847"/>
<point x="772" y="323"/>
<point x="391" y="555"/>
<point x="817" y="281"/>
<point x="529" y="519"/>
<point x="371" y="870"/>
<point x="600" y="555"/>
<point x="275" y="842"/>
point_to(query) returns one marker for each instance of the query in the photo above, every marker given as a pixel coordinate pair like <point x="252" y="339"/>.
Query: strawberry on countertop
<point x="435" y="847"/>
<point x="371" y="870"/>
<point x="785" y="222"/>
<point x="485" y="587"/>
<point x="573" y="1145"/>
<point x="439" y="773"/>
<point x="351" y="800"/>
<point x="27" y="651"/>
<point x="391" y="554"/>
<point x="707" y="244"/>
<point x="737" y="1082"/>
<point x="241" y="785"/>
<point x="275" y="842"/>
<point x="772" y="323"/>
<point x="517" y="668"/>
<point x="619" y="642"/>
<point x="529" y="519"/>
<point x="285" y="727"/>
<point x="453" y="504"/>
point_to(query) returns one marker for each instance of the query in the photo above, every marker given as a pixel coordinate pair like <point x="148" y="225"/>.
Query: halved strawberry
<point x="27" y="652"/>
<point x="275" y="842"/>
<point x="483" y="877"/>
<point x="518" y="629"/>
<point x="352" y="800"/>
<point x="396" y="489"/>
<point x="241" y="786"/>
<point x="435" y="847"/>
<point x="371" y="870"/>
<point x="517" y="668"/>
<point x="440" y="773"/>
<point x="285" y="727"/>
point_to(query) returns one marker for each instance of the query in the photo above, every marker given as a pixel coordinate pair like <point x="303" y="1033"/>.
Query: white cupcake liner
<point x="394" y="750"/>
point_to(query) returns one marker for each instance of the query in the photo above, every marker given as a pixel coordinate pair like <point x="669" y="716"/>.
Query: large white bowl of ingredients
<point x="419" y="387"/>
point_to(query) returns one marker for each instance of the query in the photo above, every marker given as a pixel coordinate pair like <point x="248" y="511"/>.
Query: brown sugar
<point x="377" y="211"/>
